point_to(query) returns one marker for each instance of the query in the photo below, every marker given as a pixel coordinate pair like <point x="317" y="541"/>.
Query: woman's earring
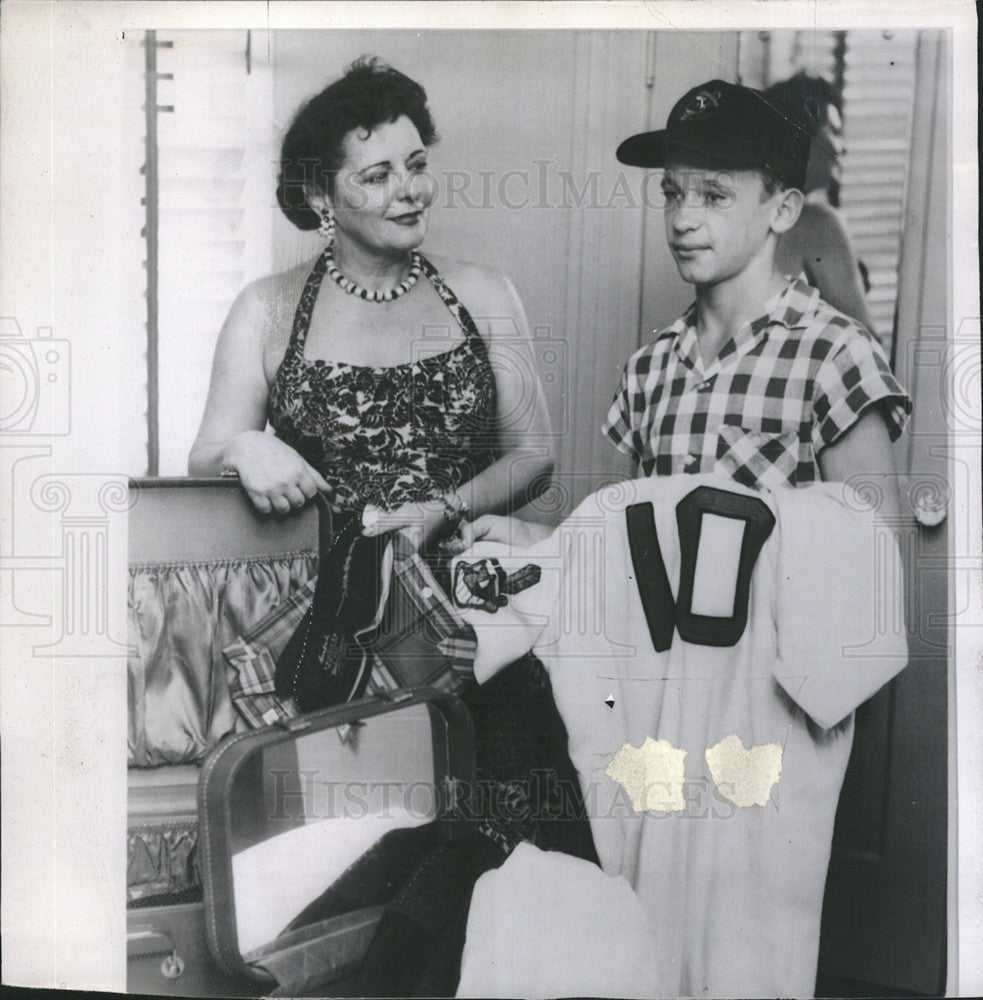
<point x="326" y="228"/>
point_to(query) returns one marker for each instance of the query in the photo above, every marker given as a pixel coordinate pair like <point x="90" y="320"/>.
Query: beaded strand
<point x="382" y="295"/>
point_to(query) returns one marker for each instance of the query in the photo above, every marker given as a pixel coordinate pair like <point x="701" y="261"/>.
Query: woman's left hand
<point x="511" y="531"/>
<point x="420" y="523"/>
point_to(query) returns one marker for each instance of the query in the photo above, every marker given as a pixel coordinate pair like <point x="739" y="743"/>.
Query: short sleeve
<point x="620" y="423"/>
<point x="854" y="377"/>
<point x="836" y="652"/>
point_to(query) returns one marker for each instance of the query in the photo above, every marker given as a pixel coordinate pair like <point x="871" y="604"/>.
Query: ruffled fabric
<point x="180" y="618"/>
<point x="161" y="860"/>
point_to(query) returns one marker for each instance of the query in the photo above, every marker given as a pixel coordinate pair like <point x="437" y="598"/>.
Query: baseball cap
<point x="734" y="125"/>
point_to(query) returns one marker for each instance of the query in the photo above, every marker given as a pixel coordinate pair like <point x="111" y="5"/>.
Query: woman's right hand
<point x="231" y="437"/>
<point x="511" y="531"/>
<point x="273" y="474"/>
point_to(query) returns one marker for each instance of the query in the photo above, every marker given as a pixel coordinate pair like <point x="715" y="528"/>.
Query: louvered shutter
<point x="217" y="171"/>
<point x="131" y="401"/>
<point x="878" y="99"/>
<point x="876" y="70"/>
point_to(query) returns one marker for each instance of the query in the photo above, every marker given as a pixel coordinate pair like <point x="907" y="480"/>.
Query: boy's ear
<point x="787" y="209"/>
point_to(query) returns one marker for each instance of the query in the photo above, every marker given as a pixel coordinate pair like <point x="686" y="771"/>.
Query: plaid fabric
<point x="422" y="641"/>
<point x="787" y="385"/>
<point x="253" y="658"/>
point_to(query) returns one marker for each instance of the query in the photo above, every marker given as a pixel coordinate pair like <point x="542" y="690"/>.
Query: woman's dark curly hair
<point x="369" y="94"/>
<point x="807" y="99"/>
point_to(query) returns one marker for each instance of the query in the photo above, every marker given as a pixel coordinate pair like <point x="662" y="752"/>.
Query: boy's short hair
<point x="731" y="124"/>
<point x="771" y="180"/>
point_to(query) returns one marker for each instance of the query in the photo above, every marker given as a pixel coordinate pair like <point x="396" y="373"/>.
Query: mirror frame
<point x="453" y="744"/>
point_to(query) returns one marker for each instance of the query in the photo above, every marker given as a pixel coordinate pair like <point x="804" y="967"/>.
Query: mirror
<point x="322" y="823"/>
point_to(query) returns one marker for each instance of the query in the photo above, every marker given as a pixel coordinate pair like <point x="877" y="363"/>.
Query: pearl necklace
<point x="383" y="295"/>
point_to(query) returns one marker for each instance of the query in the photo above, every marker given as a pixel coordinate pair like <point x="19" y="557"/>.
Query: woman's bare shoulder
<point x="821" y="223"/>
<point x="274" y="290"/>
<point x="483" y="289"/>
<point x="269" y="302"/>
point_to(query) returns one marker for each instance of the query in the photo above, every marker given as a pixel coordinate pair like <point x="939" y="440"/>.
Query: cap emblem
<point x="701" y="103"/>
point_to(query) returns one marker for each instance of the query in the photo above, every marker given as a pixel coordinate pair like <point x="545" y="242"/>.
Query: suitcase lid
<point x="284" y="811"/>
<point x="184" y="519"/>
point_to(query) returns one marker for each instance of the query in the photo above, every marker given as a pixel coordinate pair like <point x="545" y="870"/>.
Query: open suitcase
<point x="293" y="810"/>
<point x="192" y="543"/>
<point x="184" y="913"/>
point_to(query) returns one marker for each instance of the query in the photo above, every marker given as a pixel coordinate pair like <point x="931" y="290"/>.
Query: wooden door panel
<point x="884" y="919"/>
<point x="884" y="911"/>
<point x="861" y="819"/>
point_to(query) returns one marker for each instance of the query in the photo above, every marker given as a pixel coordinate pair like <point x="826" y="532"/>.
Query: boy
<point x="678" y="618"/>
<point x="760" y="380"/>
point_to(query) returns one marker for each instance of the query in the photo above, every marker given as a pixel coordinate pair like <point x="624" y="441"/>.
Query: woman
<point x="364" y="405"/>
<point x="369" y="409"/>
<point x="819" y="243"/>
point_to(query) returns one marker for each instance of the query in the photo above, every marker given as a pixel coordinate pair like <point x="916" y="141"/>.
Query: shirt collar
<point x="793" y="303"/>
<point x="787" y="308"/>
<point x="682" y="336"/>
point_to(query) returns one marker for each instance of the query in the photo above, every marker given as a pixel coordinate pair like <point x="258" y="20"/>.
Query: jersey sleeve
<point x="621" y="423"/>
<point x="839" y="609"/>
<point x="853" y="378"/>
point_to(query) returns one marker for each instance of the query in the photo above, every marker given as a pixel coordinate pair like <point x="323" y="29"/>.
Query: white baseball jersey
<point x="707" y="647"/>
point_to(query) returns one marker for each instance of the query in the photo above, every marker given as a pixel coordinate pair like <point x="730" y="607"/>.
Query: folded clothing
<point x="414" y="636"/>
<point x="545" y="924"/>
<point x="417" y="945"/>
<point x="278" y="878"/>
<point x="375" y="877"/>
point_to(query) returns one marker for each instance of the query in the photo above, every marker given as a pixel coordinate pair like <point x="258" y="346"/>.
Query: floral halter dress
<point x="407" y="433"/>
<point x="393" y="435"/>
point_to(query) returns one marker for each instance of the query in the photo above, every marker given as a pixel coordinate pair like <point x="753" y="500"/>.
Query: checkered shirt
<point x="787" y="385"/>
